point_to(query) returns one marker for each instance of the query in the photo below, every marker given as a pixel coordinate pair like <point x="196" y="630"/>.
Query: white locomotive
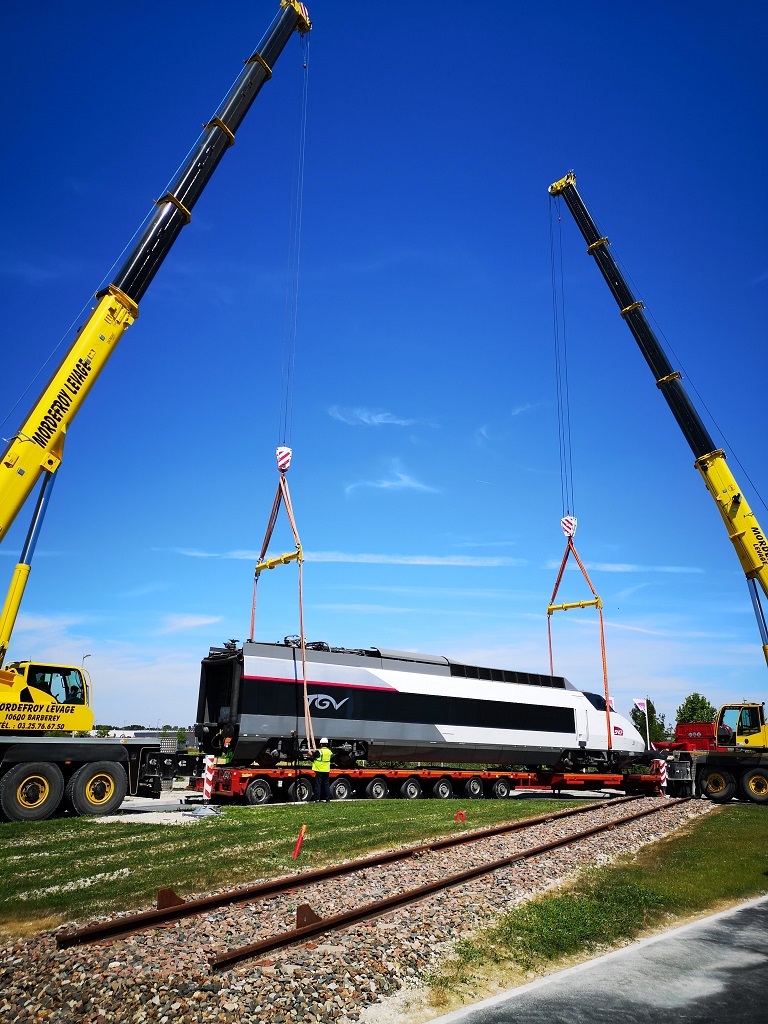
<point x="381" y="705"/>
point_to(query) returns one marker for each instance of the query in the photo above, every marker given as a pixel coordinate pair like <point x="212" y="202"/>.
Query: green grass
<point x="720" y="859"/>
<point x="77" y="868"/>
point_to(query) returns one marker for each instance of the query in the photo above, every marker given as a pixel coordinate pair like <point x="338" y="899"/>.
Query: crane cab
<point x="40" y="698"/>
<point x="742" y="725"/>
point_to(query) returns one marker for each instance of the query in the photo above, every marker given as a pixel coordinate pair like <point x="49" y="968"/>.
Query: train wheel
<point x="501" y="789"/>
<point x="718" y="785"/>
<point x="31" y="792"/>
<point x="410" y="789"/>
<point x="442" y="789"/>
<point x="258" y="791"/>
<point x="300" y="791"/>
<point x="473" y="788"/>
<point x="97" y="788"/>
<point x="755" y="785"/>
<point x="377" y="789"/>
<point x="341" y="789"/>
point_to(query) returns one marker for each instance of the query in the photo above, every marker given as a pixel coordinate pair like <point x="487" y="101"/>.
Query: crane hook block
<point x="568" y="523"/>
<point x="283" y="458"/>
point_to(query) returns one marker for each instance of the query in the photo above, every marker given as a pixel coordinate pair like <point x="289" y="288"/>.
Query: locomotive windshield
<point x="595" y="700"/>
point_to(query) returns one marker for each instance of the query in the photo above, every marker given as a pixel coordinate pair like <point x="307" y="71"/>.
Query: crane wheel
<point x="755" y="785"/>
<point x="31" y="792"/>
<point x="97" y="788"/>
<point x="718" y="785"/>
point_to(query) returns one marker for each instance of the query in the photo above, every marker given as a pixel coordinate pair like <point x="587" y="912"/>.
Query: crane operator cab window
<point x="738" y="722"/>
<point x="65" y="685"/>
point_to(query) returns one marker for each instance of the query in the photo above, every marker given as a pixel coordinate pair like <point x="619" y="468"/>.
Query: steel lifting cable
<point x="561" y="364"/>
<point x="568" y="522"/>
<point x="283" y="452"/>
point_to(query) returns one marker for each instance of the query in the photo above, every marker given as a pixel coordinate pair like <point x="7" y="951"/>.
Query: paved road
<point x="712" y="972"/>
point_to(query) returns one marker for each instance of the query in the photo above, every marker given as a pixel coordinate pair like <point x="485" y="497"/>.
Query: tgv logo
<point x="323" y="701"/>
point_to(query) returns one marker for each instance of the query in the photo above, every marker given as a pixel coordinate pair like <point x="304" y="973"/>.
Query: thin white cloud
<point x="374" y="559"/>
<point x="398" y="481"/>
<point x="364" y="558"/>
<point x="519" y="409"/>
<point x="367" y="417"/>
<point x="629" y="567"/>
<point x="181" y="623"/>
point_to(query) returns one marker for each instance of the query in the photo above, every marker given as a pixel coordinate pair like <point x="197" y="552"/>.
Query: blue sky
<point x="426" y="479"/>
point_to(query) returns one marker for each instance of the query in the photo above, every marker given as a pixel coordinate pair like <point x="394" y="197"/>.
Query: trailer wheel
<point x="31" y="792"/>
<point x="501" y="789"/>
<point x="300" y="791"/>
<point x="341" y="789"/>
<point x="410" y="789"/>
<point x="97" y="788"/>
<point x="377" y="789"/>
<point x="258" y="791"/>
<point x="755" y="785"/>
<point x="442" y="788"/>
<point x="718" y="785"/>
<point x="473" y="788"/>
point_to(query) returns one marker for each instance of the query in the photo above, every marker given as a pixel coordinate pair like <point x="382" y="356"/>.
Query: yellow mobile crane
<point x="37" y="771"/>
<point x="731" y="759"/>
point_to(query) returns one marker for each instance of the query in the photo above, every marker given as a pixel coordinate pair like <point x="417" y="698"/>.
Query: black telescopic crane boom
<point x="175" y="207"/>
<point x="667" y="380"/>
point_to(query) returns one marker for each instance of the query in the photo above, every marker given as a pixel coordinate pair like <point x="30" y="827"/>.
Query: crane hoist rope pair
<point x="568" y="522"/>
<point x="283" y="452"/>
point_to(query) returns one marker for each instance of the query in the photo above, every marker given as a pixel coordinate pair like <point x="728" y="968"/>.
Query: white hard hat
<point x="324" y="740"/>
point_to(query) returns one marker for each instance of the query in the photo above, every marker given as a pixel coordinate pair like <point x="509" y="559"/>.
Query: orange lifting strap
<point x="568" y="523"/>
<point x="283" y="496"/>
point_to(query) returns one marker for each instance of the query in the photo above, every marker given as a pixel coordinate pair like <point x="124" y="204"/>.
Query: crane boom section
<point x="38" y="444"/>
<point x="740" y="521"/>
<point x="37" y="447"/>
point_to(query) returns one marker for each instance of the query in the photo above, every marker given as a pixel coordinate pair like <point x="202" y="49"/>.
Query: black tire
<point x="501" y="789"/>
<point x="341" y="789"/>
<point x="258" y="791"/>
<point x="718" y="785"/>
<point x="31" y="792"/>
<point x="301" y="791"/>
<point x="411" y="789"/>
<point x="442" y="789"/>
<point x="754" y="785"/>
<point x="473" y="788"/>
<point x="377" y="789"/>
<point x="97" y="788"/>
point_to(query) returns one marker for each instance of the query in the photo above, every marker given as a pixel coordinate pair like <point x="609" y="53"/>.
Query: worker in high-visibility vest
<point x="321" y="766"/>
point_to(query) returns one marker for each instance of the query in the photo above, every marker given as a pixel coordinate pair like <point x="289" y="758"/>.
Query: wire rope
<point x="290" y="325"/>
<point x="561" y="364"/>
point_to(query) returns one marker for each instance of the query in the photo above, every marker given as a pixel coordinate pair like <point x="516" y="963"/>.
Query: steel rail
<point x="377" y="908"/>
<point x="172" y="907"/>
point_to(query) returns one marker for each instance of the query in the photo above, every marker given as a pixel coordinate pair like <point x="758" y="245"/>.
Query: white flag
<point x="640" y="705"/>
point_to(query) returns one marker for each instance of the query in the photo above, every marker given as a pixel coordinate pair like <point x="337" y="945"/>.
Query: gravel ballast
<point x="163" y="975"/>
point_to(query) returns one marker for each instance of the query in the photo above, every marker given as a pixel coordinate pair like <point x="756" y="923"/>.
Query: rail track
<point x="420" y="864"/>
